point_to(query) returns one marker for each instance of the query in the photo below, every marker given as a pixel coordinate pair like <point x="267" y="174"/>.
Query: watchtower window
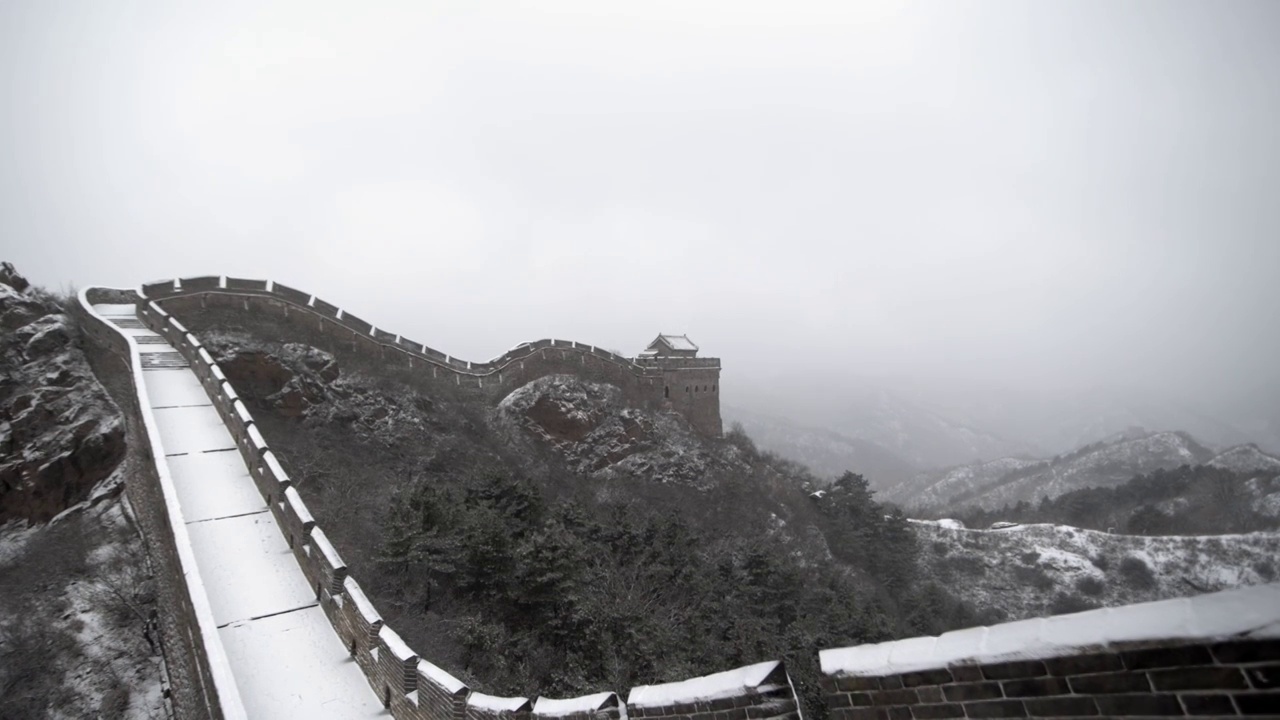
<point x="666" y="391"/>
<point x="686" y="388"/>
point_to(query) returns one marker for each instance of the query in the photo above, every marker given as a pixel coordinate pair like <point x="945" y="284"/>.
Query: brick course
<point x="1125" y="681"/>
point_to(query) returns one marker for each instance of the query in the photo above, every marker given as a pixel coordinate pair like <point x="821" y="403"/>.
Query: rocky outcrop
<point x="599" y="435"/>
<point x="60" y="433"/>
<point x="290" y="381"/>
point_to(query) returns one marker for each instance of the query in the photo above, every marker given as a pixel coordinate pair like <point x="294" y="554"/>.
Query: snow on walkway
<point x="286" y="658"/>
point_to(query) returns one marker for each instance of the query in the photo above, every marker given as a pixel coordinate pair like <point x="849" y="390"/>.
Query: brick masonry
<point x="1163" y="679"/>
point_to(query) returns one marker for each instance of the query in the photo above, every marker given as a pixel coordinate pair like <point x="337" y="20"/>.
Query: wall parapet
<point x="183" y="597"/>
<point x="648" y="380"/>
<point x="212" y="284"/>
<point x="1212" y="654"/>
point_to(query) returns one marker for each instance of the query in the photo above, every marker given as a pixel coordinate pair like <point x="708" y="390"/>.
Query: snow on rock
<point x="60" y="432"/>
<point x="1249" y="611"/>
<point x="598" y="434"/>
<point x="948" y="523"/>
<point x="729" y="683"/>
<point x="1042" y="569"/>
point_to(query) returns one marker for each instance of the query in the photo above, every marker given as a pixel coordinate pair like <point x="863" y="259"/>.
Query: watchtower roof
<point x="670" y="343"/>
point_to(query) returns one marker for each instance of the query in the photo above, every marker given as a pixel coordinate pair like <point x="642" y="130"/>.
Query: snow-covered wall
<point x="688" y="385"/>
<point x="1215" y="654"/>
<point x="201" y="683"/>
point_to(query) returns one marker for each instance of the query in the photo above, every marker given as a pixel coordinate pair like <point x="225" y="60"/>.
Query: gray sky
<point x="1027" y="193"/>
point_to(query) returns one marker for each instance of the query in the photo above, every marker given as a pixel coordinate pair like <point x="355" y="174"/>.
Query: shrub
<point x="1064" y="603"/>
<point x="1265" y="569"/>
<point x="965" y="565"/>
<point x="1034" y="576"/>
<point x="1029" y="557"/>
<point x="941" y="548"/>
<point x="1089" y="585"/>
<point x="1137" y="573"/>
<point x="1101" y="562"/>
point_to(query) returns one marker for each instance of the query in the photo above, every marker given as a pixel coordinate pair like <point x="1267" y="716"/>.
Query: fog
<point x="1009" y="212"/>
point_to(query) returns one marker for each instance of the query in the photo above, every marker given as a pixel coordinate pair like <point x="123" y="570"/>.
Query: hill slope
<point x="1102" y="464"/>
<point x="1032" y="570"/>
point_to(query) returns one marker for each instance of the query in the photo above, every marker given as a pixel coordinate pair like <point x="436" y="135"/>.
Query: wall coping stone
<point x="496" y="703"/>
<point x="567" y="706"/>
<point x="299" y="508"/>
<point x="730" y="683"/>
<point x="396" y="645"/>
<point x="326" y="548"/>
<point x="1252" y="611"/>
<point x="363" y="606"/>
<point x="440" y="677"/>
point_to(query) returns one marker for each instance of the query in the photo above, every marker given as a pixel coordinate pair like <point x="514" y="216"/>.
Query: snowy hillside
<point x="1106" y="463"/>
<point x="960" y="479"/>
<point x="1031" y="570"/>
<point x="1246" y="459"/>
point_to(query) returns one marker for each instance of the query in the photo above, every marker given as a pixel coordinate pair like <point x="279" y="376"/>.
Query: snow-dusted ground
<point x="1031" y="570"/>
<point x="286" y="658"/>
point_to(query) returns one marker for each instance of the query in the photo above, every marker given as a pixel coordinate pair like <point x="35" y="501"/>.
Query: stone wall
<point x="199" y="676"/>
<point x="652" y="383"/>
<point x="1211" y="655"/>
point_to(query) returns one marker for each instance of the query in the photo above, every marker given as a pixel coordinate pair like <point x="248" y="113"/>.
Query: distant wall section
<point x="689" y="386"/>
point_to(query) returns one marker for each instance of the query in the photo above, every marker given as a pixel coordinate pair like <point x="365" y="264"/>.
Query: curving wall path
<point x="298" y="638"/>
<point x="286" y="631"/>
<point x="689" y="386"/>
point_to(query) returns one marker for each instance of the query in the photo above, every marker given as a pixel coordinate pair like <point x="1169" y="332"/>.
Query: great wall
<point x="260" y="617"/>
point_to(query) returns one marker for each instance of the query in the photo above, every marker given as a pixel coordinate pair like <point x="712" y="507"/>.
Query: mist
<point x="1026" y="216"/>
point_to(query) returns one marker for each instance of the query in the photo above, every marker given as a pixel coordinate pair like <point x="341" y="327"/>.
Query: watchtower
<point x="690" y="384"/>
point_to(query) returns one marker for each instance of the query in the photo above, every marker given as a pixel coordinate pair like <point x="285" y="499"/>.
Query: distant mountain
<point x="1108" y="462"/>
<point x="828" y="454"/>
<point x="913" y="431"/>
<point x="1246" y="459"/>
<point x="958" y="479"/>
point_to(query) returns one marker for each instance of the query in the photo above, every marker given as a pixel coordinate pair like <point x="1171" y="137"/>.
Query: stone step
<point x="127" y="323"/>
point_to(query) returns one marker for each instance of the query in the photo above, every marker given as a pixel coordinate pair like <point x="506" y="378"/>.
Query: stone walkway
<point x="284" y="654"/>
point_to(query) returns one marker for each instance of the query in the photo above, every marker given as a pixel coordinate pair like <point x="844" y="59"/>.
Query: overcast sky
<point x="1030" y="193"/>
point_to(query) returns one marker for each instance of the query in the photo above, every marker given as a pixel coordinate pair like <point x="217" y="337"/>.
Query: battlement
<point x="656" y="383"/>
